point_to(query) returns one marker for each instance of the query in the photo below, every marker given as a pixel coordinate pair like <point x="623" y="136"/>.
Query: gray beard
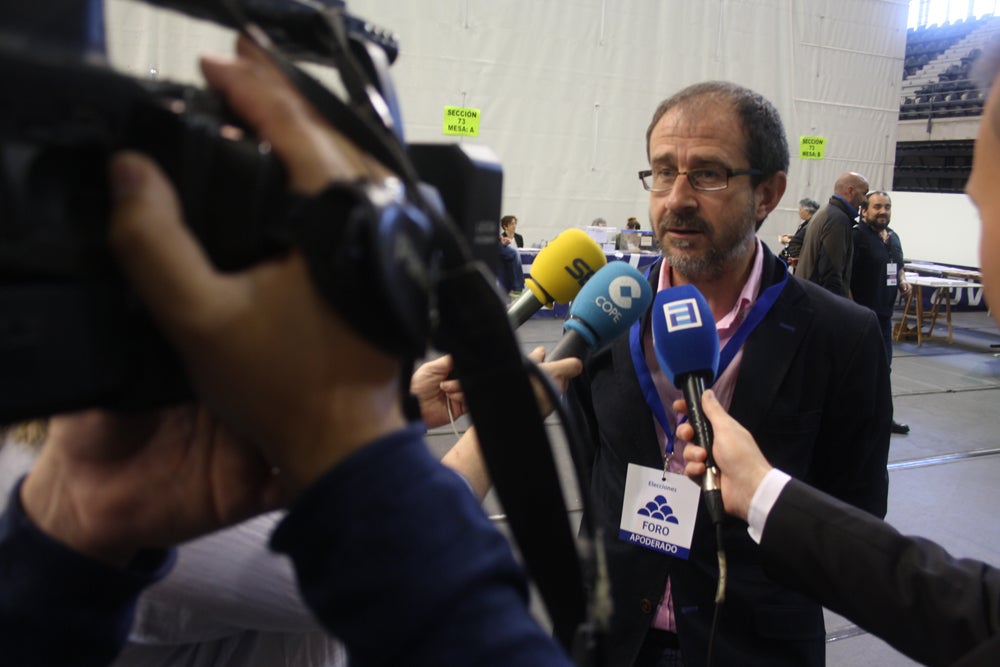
<point x="717" y="261"/>
<point x="709" y="267"/>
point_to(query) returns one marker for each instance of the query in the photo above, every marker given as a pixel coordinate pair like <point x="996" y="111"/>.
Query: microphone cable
<point x="693" y="389"/>
<point x="720" y="593"/>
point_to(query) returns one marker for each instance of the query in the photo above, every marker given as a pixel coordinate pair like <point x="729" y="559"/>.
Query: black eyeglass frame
<point x="647" y="173"/>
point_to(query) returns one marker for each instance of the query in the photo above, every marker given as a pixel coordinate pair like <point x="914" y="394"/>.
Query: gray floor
<point x="943" y="475"/>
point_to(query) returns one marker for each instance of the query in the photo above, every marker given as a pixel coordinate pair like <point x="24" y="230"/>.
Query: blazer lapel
<point x="770" y="349"/>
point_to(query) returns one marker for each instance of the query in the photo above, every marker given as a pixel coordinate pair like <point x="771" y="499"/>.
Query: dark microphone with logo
<point x="615" y="297"/>
<point x="687" y="346"/>
<point x="559" y="271"/>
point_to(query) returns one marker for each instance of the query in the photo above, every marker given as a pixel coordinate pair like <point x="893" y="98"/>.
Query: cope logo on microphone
<point x="682" y="314"/>
<point x="623" y="290"/>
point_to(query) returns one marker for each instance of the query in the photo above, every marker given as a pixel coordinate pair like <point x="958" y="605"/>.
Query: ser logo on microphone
<point x="682" y="314"/>
<point x="580" y="270"/>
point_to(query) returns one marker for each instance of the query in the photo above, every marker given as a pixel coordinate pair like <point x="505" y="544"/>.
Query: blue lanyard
<point x="756" y="315"/>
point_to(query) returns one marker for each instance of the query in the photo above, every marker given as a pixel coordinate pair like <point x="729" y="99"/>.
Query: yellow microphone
<point x="559" y="271"/>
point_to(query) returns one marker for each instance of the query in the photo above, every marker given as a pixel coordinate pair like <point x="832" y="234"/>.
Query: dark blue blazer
<point x="813" y="389"/>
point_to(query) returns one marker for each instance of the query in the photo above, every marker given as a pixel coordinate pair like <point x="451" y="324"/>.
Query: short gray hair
<point x="766" y="147"/>
<point x="810" y="205"/>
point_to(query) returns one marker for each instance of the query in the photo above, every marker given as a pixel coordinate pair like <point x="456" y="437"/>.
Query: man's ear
<point x="769" y="192"/>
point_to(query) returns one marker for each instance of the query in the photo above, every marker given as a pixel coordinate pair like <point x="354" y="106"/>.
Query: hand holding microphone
<point x="559" y="271"/>
<point x="736" y="452"/>
<point x="687" y="347"/>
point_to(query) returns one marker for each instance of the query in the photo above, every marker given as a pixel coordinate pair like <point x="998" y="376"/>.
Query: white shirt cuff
<point x="763" y="500"/>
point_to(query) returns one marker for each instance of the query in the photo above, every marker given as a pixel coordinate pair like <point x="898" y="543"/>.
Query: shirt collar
<point x="846" y="203"/>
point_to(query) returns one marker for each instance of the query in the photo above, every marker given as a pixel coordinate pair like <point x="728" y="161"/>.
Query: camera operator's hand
<point x="262" y="347"/>
<point x="108" y="485"/>
<point x="313" y="153"/>
<point x="736" y="454"/>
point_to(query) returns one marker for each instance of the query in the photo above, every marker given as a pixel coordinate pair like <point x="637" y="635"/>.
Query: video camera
<point x="71" y="334"/>
<point x="407" y="273"/>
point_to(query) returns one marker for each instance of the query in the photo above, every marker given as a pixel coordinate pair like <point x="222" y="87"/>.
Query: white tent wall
<point x="936" y="227"/>
<point x="566" y="88"/>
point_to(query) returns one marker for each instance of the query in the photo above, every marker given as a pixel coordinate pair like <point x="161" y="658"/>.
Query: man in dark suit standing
<point x="827" y="249"/>
<point x="909" y="591"/>
<point x="877" y="276"/>
<point x="804" y="370"/>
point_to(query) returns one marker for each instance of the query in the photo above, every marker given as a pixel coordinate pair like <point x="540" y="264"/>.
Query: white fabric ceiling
<point x="566" y="87"/>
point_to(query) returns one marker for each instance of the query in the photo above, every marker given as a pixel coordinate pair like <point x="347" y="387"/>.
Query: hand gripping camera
<point x="405" y="267"/>
<point x="71" y="334"/>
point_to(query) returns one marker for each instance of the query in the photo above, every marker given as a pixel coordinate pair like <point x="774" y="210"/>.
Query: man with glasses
<point x="803" y="370"/>
<point x="827" y="250"/>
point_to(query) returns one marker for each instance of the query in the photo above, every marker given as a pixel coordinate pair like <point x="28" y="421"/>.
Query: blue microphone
<point x="687" y="346"/>
<point x="607" y="305"/>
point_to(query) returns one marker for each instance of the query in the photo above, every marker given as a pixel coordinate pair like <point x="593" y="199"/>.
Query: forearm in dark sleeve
<point x="906" y="590"/>
<point x="397" y="559"/>
<point x="58" y="607"/>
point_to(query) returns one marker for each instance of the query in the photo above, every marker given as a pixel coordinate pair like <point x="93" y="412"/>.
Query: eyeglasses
<point x="706" y="179"/>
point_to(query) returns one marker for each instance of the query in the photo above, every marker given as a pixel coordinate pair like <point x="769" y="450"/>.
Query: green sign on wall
<point x="462" y="121"/>
<point x="812" y="148"/>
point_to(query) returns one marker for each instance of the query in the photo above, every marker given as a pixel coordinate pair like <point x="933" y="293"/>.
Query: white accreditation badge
<point x="891" y="274"/>
<point x="659" y="510"/>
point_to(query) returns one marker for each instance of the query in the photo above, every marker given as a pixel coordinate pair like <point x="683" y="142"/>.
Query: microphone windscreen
<point x="563" y="266"/>
<point x="615" y="297"/>
<point x="684" y="334"/>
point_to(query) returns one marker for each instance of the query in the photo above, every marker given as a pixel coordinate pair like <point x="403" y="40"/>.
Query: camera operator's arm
<point x="375" y="516"/>
<point x="87" y="529"/>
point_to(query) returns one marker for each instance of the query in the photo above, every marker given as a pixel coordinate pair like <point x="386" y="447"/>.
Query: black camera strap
<point x="517" y="451"/>
<point x="473" y="326"/>
<point x="350" y="235"/>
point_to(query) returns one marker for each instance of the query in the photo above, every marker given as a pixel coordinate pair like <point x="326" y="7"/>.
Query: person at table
<point x="510" y="273"/>
<point x="628" y="239"/>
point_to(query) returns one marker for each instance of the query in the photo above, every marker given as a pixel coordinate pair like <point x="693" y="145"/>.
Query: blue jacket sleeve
<point x="59" y="608"/>
<point x="397" y="559"/>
